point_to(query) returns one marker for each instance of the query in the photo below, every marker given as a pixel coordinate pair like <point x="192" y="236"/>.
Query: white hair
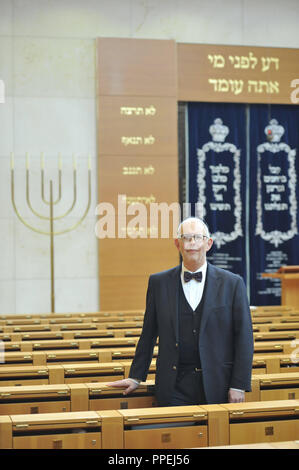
<point x="194" y="219"/>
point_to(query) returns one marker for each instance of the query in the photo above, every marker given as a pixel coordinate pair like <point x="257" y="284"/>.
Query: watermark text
<point x="295" y="93"/>
<point x="145" y="219"/>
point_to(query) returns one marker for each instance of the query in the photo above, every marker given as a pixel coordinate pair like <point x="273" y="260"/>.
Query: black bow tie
<point x="188" y="276"/>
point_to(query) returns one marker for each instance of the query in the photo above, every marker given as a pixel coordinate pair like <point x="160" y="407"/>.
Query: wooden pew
<point x="61" y="374"/>
<point x="58" y="398"/>
<point x="259" y="364"/>
<point x="122" y="354"/>
<point x="77" y="396"/>
<point x="262" y="445"/>
<point x="262" y="364"/>
<point x="273" y="347"/>
<point x="269" y="387"/>
<point x="122" y="328"/>
<point x="54" y="357"/>
<point x="282" y="386"/>
<point x="68" y="335"/>
<point x="155" y="428"/>
<point x="69" y="356"/>
<point x="69" y="344"/>
<point x="279" y="318"/>
<point x="272" y="309"/>
<point x="68" y="321"/>
<point x="116" y="325"/>
<point x="53" y="316"/>
<point x="81" y="373"/>
<point x="30" y="375"/>
<point x="32" y="399"/>
<point x="20" y="358"/>
<point x="269" y="332"/>
<point x="73" y="430"/>
<point x="123" y="347"/>
<point x="276" y="336"/>
<point x="277" y="363"/>
<point x="268" y="421"/>
<point x="101" y="396"/>
<point x="282" y="326"/>
<point x="165" y="427"/>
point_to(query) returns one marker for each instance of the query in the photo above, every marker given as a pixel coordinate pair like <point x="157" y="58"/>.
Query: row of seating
<point x="266" y="342"/>
<point x="121" y="348"/>
<point x="93" y="393"/>
<point x="55" y="316"/>
<point x="73" y="323"/>
<point x="268" y="357"/>
<point x="154" y="427"/>
<point x="293" y="318"/>
<point x="266" y="353"/>
<point x="261" y="333"/>
<point x="272" y="309"/>
<point x="268" y="327"/>
<point x="261" y="445"/>
<point x="77" y="343"/>
<point x="49" y="335"/>
<point x="47" y="394"/>
<point x="61" y="371"/>
<point x="259" y="324"/>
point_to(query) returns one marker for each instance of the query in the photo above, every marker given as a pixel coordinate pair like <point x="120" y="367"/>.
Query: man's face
<point x="193" y="251"/>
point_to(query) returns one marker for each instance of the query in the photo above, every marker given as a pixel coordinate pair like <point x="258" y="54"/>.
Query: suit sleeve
<point x="148" y="338"/>
<point x="243" y="339"/>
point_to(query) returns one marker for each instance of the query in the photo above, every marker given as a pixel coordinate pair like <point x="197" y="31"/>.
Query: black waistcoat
<point x="189" y="326"/>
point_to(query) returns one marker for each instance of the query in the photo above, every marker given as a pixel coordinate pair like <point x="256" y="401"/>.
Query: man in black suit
<point x="200" y="314"/>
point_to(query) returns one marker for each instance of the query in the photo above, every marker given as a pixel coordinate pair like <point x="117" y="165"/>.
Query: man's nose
<point x="193" y="239"/>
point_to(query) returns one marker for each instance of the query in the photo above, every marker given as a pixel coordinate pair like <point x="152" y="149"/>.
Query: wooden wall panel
<point x="240" y="74"/>
<point x="135" y="257"/>
<point x="132" y="289"/>
<point x="137" y="148"/>
<point x="137" y="176"/>
<point x="137" y="125"/>
<point x="136" y="67"/>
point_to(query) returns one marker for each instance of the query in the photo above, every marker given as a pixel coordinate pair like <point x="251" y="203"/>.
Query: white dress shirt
<point x="193" y="289"/>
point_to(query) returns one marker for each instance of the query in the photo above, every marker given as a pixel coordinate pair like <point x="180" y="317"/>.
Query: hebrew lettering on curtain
<point x="216" y="182"/>
<point x="274" y="240"/>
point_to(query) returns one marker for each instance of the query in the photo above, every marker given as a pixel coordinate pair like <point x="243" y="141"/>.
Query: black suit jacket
<point x="225" y="339"/>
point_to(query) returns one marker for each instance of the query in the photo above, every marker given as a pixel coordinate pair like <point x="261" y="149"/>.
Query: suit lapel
<point x="173" y="298"/>
<point x="210" y="294"/>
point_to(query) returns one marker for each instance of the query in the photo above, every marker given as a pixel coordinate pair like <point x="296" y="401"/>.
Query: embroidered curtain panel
<point x="242" y="173"/>
<point x="273" y="183"/>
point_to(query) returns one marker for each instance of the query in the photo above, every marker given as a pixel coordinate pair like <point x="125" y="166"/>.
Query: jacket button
<point x="174" y="367"/>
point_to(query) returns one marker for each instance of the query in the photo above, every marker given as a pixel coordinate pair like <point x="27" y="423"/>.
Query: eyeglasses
<point x="188" y="237"/>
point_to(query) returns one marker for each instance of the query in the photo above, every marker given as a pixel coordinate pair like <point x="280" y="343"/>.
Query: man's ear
<point x="210" y="243"/>
<point x="176" y="242"/>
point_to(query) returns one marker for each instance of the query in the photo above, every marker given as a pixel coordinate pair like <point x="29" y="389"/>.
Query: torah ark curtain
<point x="243" y="173"/>
<point x="216" y="178"/>
<point x="274" y="240"/>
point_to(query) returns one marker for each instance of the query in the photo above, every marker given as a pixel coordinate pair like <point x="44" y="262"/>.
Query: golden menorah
<point x="51" y="203"/>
